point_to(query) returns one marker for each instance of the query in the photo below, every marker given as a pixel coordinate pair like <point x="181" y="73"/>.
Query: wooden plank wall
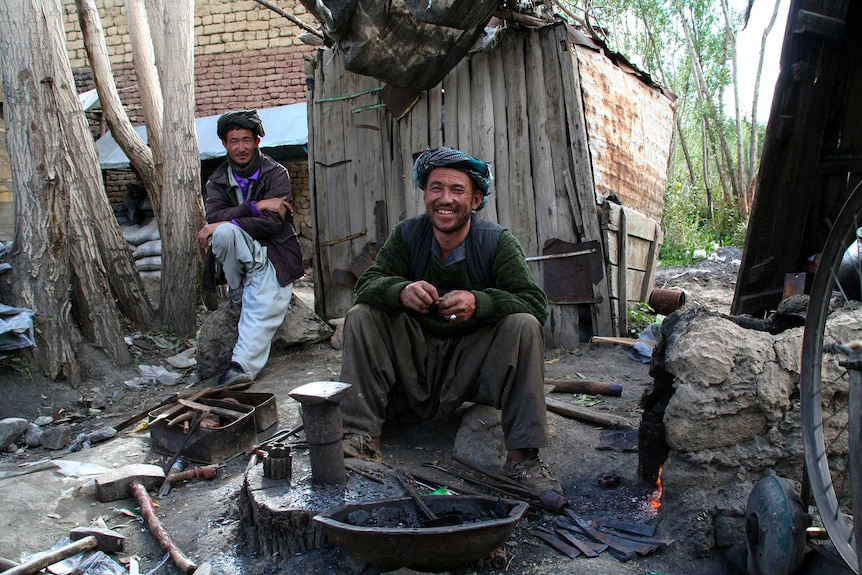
<point x="637" y="255"/>
<point x="518" y="107"/>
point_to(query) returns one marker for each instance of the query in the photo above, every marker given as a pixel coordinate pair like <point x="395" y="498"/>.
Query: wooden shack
<point x="563" y="122"/>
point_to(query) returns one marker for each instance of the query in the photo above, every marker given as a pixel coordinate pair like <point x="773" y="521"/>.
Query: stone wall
<point x="726" y="405"/>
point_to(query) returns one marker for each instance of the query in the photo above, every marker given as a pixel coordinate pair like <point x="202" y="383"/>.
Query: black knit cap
<point x="241" y="118"/>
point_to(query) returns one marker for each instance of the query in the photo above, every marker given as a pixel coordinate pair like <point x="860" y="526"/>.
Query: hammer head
<point x="108" y="540"/>
<point x="114" y="484"/>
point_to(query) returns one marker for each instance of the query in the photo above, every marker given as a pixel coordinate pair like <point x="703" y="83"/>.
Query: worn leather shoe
<point x="533" y="474"/>
<point x="233" y="374"/>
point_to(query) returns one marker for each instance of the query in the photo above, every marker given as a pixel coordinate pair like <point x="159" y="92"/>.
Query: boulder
<point x="218" y="334"/>
<point x="11" y="428"/>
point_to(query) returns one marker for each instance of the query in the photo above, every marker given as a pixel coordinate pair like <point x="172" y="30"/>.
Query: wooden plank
<point x="415" y="142"/>
<point x="573" y="411"/>
<point x="627" y="341"/>
<point x="622" y="294"/>
<point x="368" y="168"/>
<point x="313" y="113"/>
<point x="516" y="206"/>
<point x="563" y="325"/>
<point x="561" y="164"/>
<point x="412" y="196"/>
<point x="652" y="263"/>
<point x="464" y="113"/>
<point x="339" y="169"/>
<point x="329" y="120"/>
<point x="540" y="146"/>
<point x="582" y="170"/>
<point x="548" y="225"/>
<point x="450" y="117"/>
<point x="435" y="116"/>
<point x="501" y="185"/>
<point x="483" y="126"/>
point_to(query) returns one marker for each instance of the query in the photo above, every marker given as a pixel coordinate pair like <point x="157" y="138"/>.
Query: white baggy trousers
<point x="264" y="302"/>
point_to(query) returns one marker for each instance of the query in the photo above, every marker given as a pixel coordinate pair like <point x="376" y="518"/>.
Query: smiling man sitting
<point x="449" y="312"/>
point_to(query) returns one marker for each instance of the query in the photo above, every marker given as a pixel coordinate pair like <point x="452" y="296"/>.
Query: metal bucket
<point x="666" y="301"/>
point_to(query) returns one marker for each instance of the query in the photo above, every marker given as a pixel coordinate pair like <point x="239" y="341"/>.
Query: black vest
<point x="481" y="246"/>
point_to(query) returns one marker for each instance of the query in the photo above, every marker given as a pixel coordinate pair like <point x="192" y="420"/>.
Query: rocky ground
<point x="203" y="517"/>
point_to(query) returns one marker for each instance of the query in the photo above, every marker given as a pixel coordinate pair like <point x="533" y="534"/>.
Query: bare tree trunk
<point x="739" y="173"/>
<point x="57" y="268"/>
<point x="183" y="214"/>
<point x="127" y="138"/>
<point x="125" y="281"/>
<point x="712" y="114"/>
<point x="149" y="86"/>
<point x="754" y="145"/>
<point x="678" y="134"/>
<point x="707" y="185"/>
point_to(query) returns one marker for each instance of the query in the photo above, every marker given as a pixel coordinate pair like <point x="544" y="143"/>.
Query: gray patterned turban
<point x="243" y="118"/>
<point x="456" y="159"/>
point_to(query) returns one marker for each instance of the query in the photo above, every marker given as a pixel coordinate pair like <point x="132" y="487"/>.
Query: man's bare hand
<point x="460" y="304"/>
<point x="206" y="233"/>
<point x="419" y="296"/>
<point x="279" y="206"/>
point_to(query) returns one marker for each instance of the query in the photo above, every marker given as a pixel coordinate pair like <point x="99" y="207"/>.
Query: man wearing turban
<point x="250" y="240"/>
<point x="450" y="312"/>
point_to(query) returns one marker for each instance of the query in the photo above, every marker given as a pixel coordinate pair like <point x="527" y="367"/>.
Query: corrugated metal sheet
<point x="630" y="127"/>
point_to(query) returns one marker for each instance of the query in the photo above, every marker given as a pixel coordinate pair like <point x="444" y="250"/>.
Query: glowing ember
<point x="655" y="498"/>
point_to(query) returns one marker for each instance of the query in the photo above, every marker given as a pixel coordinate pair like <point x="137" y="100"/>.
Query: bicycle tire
<point x="832" y="506"/>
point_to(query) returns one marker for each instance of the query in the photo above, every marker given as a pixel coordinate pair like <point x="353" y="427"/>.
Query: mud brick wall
<point x="246" y="56"/>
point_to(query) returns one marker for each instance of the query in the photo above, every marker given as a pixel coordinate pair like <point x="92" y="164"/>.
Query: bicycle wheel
<point x="830" y="420"/>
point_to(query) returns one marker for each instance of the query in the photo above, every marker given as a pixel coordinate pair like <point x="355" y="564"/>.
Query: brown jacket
<point x="277" y="235"/>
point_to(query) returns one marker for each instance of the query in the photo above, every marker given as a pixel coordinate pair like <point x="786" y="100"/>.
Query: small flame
<point x="655" y="498"/>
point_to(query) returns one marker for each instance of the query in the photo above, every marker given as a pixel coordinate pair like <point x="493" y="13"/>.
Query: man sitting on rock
<point x="252" y="243"/>
<point x="449" y="312"/>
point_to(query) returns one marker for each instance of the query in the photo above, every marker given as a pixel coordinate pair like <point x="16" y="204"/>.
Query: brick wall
<point x="246" y="56"/>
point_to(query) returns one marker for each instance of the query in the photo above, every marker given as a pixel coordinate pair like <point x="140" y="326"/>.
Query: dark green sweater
<point x="512" y="289"/>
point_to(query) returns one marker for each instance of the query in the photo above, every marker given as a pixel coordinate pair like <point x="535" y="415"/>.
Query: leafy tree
<point x="689" y="46"/>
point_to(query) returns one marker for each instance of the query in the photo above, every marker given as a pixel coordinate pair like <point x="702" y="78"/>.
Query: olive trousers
<point x="501" y="365"/>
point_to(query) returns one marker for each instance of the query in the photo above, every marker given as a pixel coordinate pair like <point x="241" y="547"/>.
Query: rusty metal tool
<point x="200" y="414"/>
<point x="587" y="548"/>
<point x="161" y="534"/>
<point x="621" y="548"/>
<point x="503" y="489"/>
<point x="133" y="480"/>
<point x="114" y="484"/>
<point x="586" y="387"/>
<point x="205" y="472"/>
<point x="83" y="539"/>
<point x="551" y="539"/>
<point x="550" y="500"/>
<point x="431" y="518"/>
<point x="256" y="453"/>
<point x="366" y="473"/>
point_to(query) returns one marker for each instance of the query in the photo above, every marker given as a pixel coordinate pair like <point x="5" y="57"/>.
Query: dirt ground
<point x="203" y="517"/>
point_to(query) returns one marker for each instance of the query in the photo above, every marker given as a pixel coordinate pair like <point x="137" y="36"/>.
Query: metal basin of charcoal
<point x="423" y="548"/>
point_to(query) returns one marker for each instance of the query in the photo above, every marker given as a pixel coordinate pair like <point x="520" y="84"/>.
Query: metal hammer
<point x="83" y="539"/>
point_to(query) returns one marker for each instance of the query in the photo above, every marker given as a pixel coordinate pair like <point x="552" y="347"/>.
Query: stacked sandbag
<point x="146" y="246"/>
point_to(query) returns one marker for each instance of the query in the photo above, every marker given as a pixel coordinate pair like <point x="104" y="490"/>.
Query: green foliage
<point x="640" y="316"/>
<point x="687" y="226"/>
<point x="14" y="361"/>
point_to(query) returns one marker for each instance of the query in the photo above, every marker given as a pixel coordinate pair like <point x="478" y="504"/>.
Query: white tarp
<point x="284" y="126"/>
